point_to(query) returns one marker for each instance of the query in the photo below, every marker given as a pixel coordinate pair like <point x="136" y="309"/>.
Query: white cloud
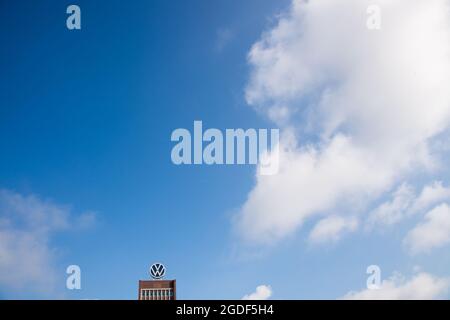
<point x="405" y="203"/>
<point x="422" y="286"/>
<point x="27" y="259"/>
<point x="430" y="195"/>
<point x="262" y="292"/>
<point x="370" y="100"/>
<point x="433" y="232"/>
<point x="331" y="228"/>
<point x="393" y="211"/>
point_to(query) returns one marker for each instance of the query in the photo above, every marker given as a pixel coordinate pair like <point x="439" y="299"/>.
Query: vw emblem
<point x="157" y="271"/>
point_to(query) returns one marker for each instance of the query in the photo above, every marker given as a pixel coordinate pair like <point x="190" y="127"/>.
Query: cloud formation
<point x="27" y="224"/>
<point x="262" y="292"/>
<point x="433" y="232"/>
<point x="359" y="108"/>
<point x="405" y="203"/>
<point x="422" y="286"/>
<point x="331" y="228"/>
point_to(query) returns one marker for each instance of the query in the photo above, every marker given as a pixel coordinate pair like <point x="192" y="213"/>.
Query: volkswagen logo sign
<point x="157" y="271"/>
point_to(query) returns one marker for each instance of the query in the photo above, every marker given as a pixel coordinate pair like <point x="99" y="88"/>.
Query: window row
<point x="153" y="294"/>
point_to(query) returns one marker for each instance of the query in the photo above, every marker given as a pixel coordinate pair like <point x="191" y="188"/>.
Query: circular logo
<point x="157" y="271"/>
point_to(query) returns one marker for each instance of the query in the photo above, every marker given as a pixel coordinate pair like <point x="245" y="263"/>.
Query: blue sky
<point x="85" y="122"/>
